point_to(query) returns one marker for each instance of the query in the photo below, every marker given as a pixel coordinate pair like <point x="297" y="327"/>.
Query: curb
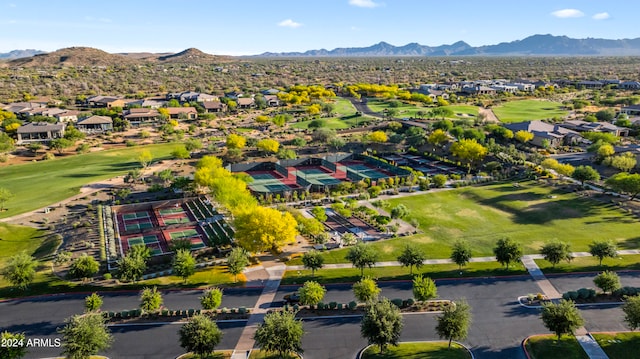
<point x="359" y="355"/>
<point x="576" y="304"/>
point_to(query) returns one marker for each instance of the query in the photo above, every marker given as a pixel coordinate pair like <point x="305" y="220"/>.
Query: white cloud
<point x="289" y="23"/>
<point x="363" y="3"/>
<point x="601" y="16"/>
<point x="565" y="13"/>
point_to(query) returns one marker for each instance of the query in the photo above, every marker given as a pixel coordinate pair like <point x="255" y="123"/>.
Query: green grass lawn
<point x="223" y="354"/>
<point x="619" y="345"/>
<point x="38" y="184"/>
<point x="591" y="264"/>
<point x="343" y="107"/>
<point x="335" y="122"/>
<point x="411" y="110"/>
<point x="16" y="239"/>
<point x="434" y="271"/>
<point x="464" y="111"/>
<point x="259" y="354"/>
<point x="419" y="350"/>
<point x="548" y="347"/>
<point x="525" y="110"/>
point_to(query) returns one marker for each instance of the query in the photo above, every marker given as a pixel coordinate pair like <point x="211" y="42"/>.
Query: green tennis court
<point x="317" y="176"/>
<point x="266" y="182"/>
<point x="138" y="226"/>
<point x="170" y="211"/>
<point x="176" y="220"/>
<point x="184" y="234"/>
<point x="142" y="240"/>
<point x="366" y="171"/>
<point x="135" y="215"/>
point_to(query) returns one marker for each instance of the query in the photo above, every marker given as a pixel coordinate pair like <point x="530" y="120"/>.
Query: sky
<point x="249" y="27"/>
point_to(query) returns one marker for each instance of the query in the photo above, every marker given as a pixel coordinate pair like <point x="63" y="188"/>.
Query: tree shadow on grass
<point x="631" y="243"/>
<point x="485" y="352"/>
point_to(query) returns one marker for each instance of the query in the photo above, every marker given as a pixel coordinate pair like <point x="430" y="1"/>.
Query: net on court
<point x="138" y="225"/>
<point x="189" y="234"/>
<point x="151" y="241"/>
<point x="135" y="215"/>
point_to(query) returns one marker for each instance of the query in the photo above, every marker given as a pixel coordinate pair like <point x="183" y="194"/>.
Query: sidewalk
<point x="246" y="343"/>
<point x="590" y="346"/>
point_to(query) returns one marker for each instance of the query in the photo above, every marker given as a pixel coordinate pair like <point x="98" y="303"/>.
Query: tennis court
<point x="137" y="225"/>
<point x="318" y="176"/>
<point x="171" y="211"/>
<point x="268" y="182"/>
<point x="191" y="234"/>
<point x="151" y="241"/>
<point x="365" y="171"/>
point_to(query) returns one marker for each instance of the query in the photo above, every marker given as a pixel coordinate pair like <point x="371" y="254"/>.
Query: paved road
<point x="499" y="323"/>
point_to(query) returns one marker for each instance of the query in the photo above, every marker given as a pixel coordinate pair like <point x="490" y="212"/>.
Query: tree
<point x="193" y="144"/>
<point x="200" y="335"/>
<point x="323" y="134"/>
<point x="605" y="150"/>
<point x="150" y="299"/>
<point x="362" y="255"/>
<point x="184" y="265"/>
<point x="237" y="261"/>
<point x="602" y="249"/>
<point x="631" y="309"/>
<point x="523" y="136"/>
<point x="16" y="351"/>
<point x="313" y="260"/>
<point x="399" y="211"/>
<point x="561" y="318"/>
<point x="556" y="251"/>
<point x="7" y="144"/>
<point x="60" y="144"/>
<point x="461" y="253"/>
<point x="311" y="293"/>
<point x="319" y="213"/>
<point x="20" y="270"/>
<point x="336" y="143"/>
<point x="132" y="266"/>
<point x="507" y="251"/>
<point x="85" y="335"/>
<point x="264" y="228"/>
<point x="236" y="141"/>
<point x="280" y="332"/>
<point x="607" y="281"/>
<point x="424" y="288"/>
<point x="93" y="302"/>
<point x="625" y="182"/>
<point x="180" y="153"/>
<point x="5" y="196"/>
<point x="468" y="150"/>
<point x="411" y="256"/>
<point x="454" y="322"/>
<point x="84" y="267"/>
<point x="585" y="173"/>
<point x="268" y="145"/>
<point x="366" y="290"/>
<point x="382" y="324"/>
<point x="625" y="162"/>
<point x="438" y="137"/>
<point x="211" y="298"/>
<point x="606" y="115"/>
<point x="144" y="158"/>
<point x="377" y="137"/>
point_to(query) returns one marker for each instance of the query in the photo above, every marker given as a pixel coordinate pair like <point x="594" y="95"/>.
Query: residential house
<point x="234" y="95"/>
<point x="106" y="102"/>
<point x="554" y="135"/>
<point x="149" y="103"/>
<point x="589" y="84"/>
<point x="19" y="108"/>
<point x="214" y="106"/>
<point x="270" y="92"/>
<point x="631" y="110"/>
<point x="40" y="132"/>
<point x="606" y="127"/>
<point x="629" y="85"/>
<point x="139" y="116"/>
<point x="186" y="113"/>
<point x="67" y="116"/>
<point x="479" y="90"/>
<point x="272" y="100"/>
<point x="95" y="124"/>
<point x="246" y="102"/>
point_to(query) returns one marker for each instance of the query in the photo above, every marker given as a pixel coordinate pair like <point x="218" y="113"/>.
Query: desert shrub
<point x="583" y="293"/>
<point x="352" y="305"/>
<point x="333" y="305"/>
<point x="397" y="302"/>
<point x="573" y="295"/>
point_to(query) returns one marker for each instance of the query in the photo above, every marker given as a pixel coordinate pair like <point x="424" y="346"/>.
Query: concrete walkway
<point x="246" y="343"/>
<point x="590" y="346"/>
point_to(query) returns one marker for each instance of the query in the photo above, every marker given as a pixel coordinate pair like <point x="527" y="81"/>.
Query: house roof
<point x="179" y="110"/>
<point x="213" y="105"/>
<point x="35" y="127"/>
<point x="537" y="126"/>
<point x="244" y="101"/>
<point x="95" y="120"/>
<point x="141" y="112"/>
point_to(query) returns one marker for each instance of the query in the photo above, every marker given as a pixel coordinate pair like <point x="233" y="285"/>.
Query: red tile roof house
<point x="40" y="132"/>
<point x="95" y="124"/>
<point x="186" y="113"/>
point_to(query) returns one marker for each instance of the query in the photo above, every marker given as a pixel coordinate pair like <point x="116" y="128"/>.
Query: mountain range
<point x="536" y="45"/>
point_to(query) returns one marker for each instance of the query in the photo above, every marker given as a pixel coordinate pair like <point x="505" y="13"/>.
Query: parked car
<point x="292" y="298"/>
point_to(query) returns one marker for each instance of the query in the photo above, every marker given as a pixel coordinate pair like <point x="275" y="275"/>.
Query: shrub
<point x="107" y="276"/>
<point x="320" y="305"/>
<point x="566" y="296"/>
<point x="583" y="293"/>
<point x="397" y="302"/>
<point x="296" y="307"/>
<point x="340" y="306"/>
<point x="242" y="310"/>
<point x="410" y="302"/>
<point x="352" y="305"/>
<point x="333" y="305"/>
<point x="573" y="295"/>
